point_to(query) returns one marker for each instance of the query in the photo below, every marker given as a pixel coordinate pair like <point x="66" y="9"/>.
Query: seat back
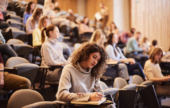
<point x="14" y="41"/>
<point x="15" y="61"/>
<point x="24" y="97"/>
<point x="119" y="83"/>
<point x="149" y="97"/>
<point x="137" y="79"/>
<point x="103" y="85"/>
<point x="27" y="70"/>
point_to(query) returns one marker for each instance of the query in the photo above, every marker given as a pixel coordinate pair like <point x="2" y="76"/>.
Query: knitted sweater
<point x="74" y="80"/>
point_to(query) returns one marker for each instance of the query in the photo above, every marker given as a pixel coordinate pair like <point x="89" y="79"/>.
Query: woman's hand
<point x="131" y="61"/>
<point x="95" y="96"/>
<point x="1" y="83"/>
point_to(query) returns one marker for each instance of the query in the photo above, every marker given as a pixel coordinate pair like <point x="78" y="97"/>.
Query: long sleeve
<point x="148" y="72"/>
<point x="135" y="45"/>
<point x="65" y="85"/>
<point x="47" y="55"/>
<point x="110" y="53"/>
<point x="36" y="36"/>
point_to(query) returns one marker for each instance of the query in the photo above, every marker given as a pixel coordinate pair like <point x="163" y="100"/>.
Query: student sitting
<point x="32" y="22"/>
<point x="11" y="81"/>
<point x="132" y="49"/>
<point x="144" y="44"/>
<point x="115" y="53"/>
<point x="153" y="72"/>
<point x="44" y="22"/>
<point x="52" y="52"/>
<point x="99" y="38"/>
<point x="84" y="26"/>
<point x="28" y="11"/>
<point x="154" y="45"/>
<point x="83" y="74"/>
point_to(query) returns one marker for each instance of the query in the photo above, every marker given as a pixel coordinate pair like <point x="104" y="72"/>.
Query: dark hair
<point x="153" y="53"/>
<point x="154" y="42"/>
<point x="28" y="8"/>
<point x="84" y="19"/>
<point x="45" y="32"/>
<point x="131" y="30"/>
<point x="82" y="54"/>
<point x="109" y="42"/>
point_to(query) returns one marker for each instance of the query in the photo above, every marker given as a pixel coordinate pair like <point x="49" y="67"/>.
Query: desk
<point x="103" y="105"/>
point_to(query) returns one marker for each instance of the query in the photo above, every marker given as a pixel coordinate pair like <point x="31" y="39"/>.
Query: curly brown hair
<point x="82" y="54"/>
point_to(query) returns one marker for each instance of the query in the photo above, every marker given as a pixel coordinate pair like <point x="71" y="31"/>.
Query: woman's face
<point x="38" y="17"/>
<point x="93" y="59"/>
<point x="45" y="23"/>
<point x="55" y="33"/>
<point x="32" y="6"/>
<point x="115" y="39"/>
<point x="86" y="20"/>
<point x="158" y="57"/>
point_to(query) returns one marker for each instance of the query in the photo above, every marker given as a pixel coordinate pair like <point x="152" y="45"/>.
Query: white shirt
<point x="152" y="70"/>
<point x="30" y="27"/>
<point x="110" y="52"/>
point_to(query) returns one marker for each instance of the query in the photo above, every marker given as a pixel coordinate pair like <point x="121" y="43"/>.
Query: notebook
<point x="113" y="62"/>
<point x="90" y="102"/>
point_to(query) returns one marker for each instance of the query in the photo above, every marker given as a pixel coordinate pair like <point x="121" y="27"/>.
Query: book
<point x="113" y="62"/>
<point x="98" y="16"/>
<point x="89" y="102"/>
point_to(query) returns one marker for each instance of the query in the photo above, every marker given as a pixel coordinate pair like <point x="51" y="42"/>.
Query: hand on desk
<point x="95" y="96"/>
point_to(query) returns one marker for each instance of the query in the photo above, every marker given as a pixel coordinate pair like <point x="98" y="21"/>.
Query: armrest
<point x="43" y="67"/>
<point x="10" y="70"/>
<point x="53" y="67"/>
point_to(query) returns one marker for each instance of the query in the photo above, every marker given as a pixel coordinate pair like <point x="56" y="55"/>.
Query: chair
<point x="16" y="24"/>
<point x="14" y="17"/>
<point x="20" y="48"/>
<point x="121" y="83"/>
<point x="18" y="34"/>
<point x="44" y="104"/>
<point x="24" y="97"/>
<point x="23" y="68"/>
<point x="85" y="37"/>
<point x="139" y="81"/>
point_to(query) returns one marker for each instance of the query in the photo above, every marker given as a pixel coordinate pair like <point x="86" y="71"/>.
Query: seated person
<point x="71" y="16"/>
<point x="52" y="52"/>
<point x="99" y="38"/>
<point x="113" y="28"/>
<point x="153" y="72"/>
<point x="166" y="57"/>
<point x="56" y="8"/>
<point x="7" y="52"/>
<point x="11" y="81"/>
<point x="44" y="22"/>
<point x="84" y="26"/>
<point x="28" y="11"/>
<point x="32" y="22"/>
<point x="83" y="74"/>
<point x="154" y="45"/>
<point x="123" y="38"/>
<point x="132" y="49"/>
<point x="115" y="53"/>
<point x="49" y="11"/>
<point x="144" y="44"/>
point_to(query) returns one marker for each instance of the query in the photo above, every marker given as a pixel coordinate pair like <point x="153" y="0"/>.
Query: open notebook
<point x="90" y="102"/>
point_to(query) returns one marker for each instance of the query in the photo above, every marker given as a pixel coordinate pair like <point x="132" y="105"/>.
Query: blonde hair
<point x="96" y="36"/>
<point x="40" y="23"/>
<point x="37" y="11"/>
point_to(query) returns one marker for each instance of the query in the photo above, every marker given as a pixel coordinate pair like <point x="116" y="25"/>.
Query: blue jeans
<point x="135" y="69"/>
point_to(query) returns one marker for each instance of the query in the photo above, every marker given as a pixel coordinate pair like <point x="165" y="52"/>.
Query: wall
<point x="68" y="4"/>
<point x="151" y="17"/>
<point x="92" y="6"/>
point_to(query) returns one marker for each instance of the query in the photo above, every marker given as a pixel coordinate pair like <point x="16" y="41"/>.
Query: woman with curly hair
<point x="83" y="74"/>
